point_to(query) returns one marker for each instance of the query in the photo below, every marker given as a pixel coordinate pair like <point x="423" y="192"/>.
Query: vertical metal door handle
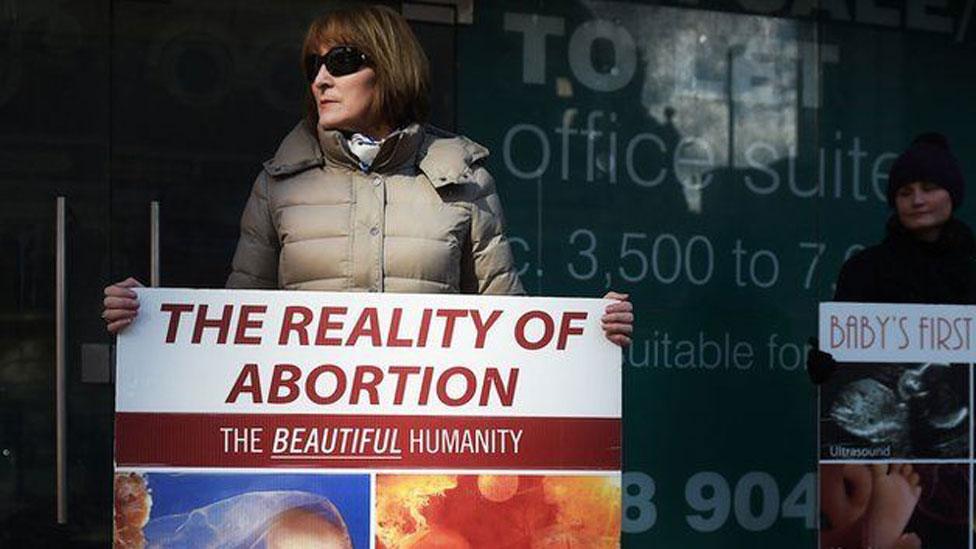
<point x="59" y="367"/>
<point x="154" y="243"/>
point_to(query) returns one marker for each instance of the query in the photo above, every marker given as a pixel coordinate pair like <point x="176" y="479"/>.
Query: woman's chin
<point x="328" y="121"/>
<point x="921" y="225"/>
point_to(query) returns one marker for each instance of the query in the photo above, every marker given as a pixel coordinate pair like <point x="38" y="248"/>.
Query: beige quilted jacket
<point x="424" y="219"/>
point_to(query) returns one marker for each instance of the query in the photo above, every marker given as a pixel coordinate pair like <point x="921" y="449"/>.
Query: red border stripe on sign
<point x="373" y="442"/>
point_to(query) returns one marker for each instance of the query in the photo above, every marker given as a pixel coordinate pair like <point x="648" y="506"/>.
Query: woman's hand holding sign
<point x="618" y="322"/>
<point x="121" y="305"/>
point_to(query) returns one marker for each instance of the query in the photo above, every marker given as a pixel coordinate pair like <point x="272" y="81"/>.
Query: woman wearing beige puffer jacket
<point x="362" y="196"/>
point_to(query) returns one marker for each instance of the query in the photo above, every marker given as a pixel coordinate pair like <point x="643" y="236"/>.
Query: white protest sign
<point x="217" y="378"/>
<point x="887" y="332"/>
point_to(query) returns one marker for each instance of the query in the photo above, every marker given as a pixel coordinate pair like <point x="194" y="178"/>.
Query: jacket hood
<point x="448" y="158"/>
<point x="443" y="157"/>
<point x="298" y="151"/>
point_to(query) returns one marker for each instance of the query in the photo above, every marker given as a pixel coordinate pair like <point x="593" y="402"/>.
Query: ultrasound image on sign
<point x="892" y="411"/>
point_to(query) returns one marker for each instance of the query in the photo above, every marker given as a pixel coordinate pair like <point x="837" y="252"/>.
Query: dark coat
<point x="902" y="269"/>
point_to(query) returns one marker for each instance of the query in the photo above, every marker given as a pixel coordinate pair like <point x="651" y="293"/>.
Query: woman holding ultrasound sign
<point x="362" y="195"/>
<point x="928" y="255"/>
<point x="914" y="411"/>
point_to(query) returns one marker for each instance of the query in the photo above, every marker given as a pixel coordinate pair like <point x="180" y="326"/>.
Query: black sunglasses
<point x="339" y="61"/>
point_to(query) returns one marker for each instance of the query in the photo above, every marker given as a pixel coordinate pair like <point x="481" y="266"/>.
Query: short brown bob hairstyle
<point x="402" y="69"/>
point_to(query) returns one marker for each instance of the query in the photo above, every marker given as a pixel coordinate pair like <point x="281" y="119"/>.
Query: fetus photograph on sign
<point x="893" y="411"/>
<point x="894" y="505"/>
